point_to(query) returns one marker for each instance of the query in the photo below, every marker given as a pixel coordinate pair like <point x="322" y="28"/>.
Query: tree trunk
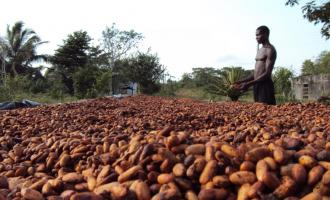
<point x="13" y="69"/>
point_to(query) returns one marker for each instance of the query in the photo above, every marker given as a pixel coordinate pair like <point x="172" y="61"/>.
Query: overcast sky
<point x="184" y="33"/>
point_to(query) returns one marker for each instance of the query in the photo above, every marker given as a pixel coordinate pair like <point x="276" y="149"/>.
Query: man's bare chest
<point x="261" y="55"/>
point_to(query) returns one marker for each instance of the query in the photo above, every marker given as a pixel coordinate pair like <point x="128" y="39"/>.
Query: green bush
<point x="84" y="81"/>
<point x="18" y="84"/>
<point x="5" y="94"/>
<point x="104" y="82"/>
<point x="57" y="90"/>
<point x="281" y="99"/>
<point x="39" y="86"/>
<point x="14" y="87"/>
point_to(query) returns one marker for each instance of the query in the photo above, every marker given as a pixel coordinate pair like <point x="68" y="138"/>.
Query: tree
<point x="201" y="76"/>
<point x="186" y="80"/>
<point x="145" y="69"/>
<point x="319" y="66"/>
<point x="71" y="56"/>
<point x="323" y="62"/>
<point x="221" y="84"/>
<point x="308" y="68"/>
<point x="20" y="45"/>
<point x="117" y="43"/>
<point x="84" y="81"/>
<point x="282" y="81"/>
<point x="316" y="13"/>
<point x="103" y="82"/>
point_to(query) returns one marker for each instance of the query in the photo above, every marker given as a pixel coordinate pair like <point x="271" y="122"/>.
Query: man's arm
<point x="270" y="61"/>
<point x="247" y="79"/>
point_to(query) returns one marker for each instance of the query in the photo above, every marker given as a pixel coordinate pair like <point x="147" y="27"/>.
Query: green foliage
<point x="57" y="89"/>
<point x="97" y="57"/>
<point x="19" y="47"/>
<point x="282" y="80"/>
<point x="309" y="68"/>
<point x="23" y="87"/>
<point x="5" y="94"/>
<point x="201" y="76"/>
<point x="323" y="62"/>
<point x="187" y="80"/>
<point x="319" y="66"/>
<point x="71" y="56"/>
<point x="73" y="53"/>
<point x="78" y="68"/>
<point x="316" y="13"/>
<point x="18" y="84"/>
<point x="212" y="83"/>
<point x="144" y="68"/>
<point x="117" y="43"/>
<point x="280" y="99"/>
<point x="197" y="93"/>
<point x="25" y="84"/>
<point x="104" y="82"/>
<point x="39" y="86"/>
<point x="84" y="82"/>
<point x="222" y="83"/>
<point x="169" y="88"/>
<point x="91" y="81"/>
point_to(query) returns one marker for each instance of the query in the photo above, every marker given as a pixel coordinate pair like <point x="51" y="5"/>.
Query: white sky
<point x="184" y="33"/>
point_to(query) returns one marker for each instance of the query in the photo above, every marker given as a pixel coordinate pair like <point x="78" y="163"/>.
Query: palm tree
<point x="20" y="45"/>
<point x="221" y="85"/>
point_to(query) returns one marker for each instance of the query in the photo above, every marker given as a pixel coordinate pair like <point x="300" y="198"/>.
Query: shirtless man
<point x="263" y="86"/>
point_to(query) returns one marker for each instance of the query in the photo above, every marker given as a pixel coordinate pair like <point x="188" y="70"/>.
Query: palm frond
<point x="20" y="44"/>
<point x="221" y="84"/>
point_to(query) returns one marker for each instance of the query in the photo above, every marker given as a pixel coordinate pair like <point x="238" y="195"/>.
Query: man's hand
<point x="242" y="86"/>
<point x="235" y="86"/>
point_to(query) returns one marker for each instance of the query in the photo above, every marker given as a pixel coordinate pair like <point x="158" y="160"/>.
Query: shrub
<point x="103" y="83"/>
<point x="5" y="94"/>
<point x="84" y="81"/>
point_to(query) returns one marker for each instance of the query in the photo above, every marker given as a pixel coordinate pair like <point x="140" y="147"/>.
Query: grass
<point x="197" y="93"/>
<point x="40" y="97"/>
<point x="44" y="98"/>
<point x="201" y="94"/>
<point x="192" y="93"/>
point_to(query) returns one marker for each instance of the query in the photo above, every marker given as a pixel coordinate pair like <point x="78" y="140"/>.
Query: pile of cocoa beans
<point x="164" y="149"/>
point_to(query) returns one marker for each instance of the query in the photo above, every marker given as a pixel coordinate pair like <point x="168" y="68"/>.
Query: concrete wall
<point x="311" y="87"/>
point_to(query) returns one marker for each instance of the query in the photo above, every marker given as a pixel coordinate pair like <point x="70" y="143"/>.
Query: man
<point x="260" y="79"/>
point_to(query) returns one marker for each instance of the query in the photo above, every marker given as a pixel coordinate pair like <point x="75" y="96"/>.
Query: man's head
<point x="262" y="34"/>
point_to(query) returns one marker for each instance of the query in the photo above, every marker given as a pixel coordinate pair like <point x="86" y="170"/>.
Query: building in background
<point x="129" y="89"/>
<point x="311" y="87"/>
